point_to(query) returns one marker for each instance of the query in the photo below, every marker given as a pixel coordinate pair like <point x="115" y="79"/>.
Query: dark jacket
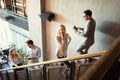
<point x="89" y="33"/>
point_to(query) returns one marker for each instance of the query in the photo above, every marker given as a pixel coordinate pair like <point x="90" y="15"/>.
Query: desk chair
<point x="5" y="58"/>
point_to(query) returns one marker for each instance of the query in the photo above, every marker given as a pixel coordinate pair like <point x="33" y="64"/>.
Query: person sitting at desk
<point x="15" y="58"/>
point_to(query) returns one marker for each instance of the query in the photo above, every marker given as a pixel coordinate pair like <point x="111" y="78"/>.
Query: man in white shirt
<point x="34" y="53"/>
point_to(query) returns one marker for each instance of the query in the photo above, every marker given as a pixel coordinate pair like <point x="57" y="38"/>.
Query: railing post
<point x="1" y="75"/>
<point x="27" y="74"/>
<point x="44" y="73"/>
<point x="7" y="75"/>
<point x="78" y="73"/>
<point x="15" y="75"/>
<point x="72" y="70"/>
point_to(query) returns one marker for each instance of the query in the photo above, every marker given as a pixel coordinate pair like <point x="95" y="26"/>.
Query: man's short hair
<point x="29" y="42"/>
<point x="88" y="12"/>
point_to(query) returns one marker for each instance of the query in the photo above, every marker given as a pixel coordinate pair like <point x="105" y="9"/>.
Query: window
<point x="18" y="7"/>
<point x="5" y="4"/>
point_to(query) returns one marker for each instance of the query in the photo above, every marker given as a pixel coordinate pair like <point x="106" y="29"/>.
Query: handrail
<point x="99" y="69"/>
<point x="95" y="54"/>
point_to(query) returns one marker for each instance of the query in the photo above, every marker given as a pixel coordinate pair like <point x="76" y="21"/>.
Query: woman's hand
<point x="15" y="65"/>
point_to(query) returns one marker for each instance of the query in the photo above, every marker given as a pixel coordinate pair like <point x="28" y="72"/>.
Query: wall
<point x="19" y="36"/>
<point x="14" y="30"/>
<point x="69" y="12"/>
<point x="10" y="33"/>
<point x="5" y="35"/>
<point x="34" y="22"/>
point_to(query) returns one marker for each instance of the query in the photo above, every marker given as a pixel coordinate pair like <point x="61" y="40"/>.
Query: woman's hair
<point x="61" y="26"/>
<point x="13" y="55"/>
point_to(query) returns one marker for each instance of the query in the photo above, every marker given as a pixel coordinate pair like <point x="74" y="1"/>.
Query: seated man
<point x="15" y="58"/>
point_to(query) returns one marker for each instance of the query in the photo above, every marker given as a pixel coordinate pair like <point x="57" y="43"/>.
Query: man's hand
<point x="31" y="57"/>
<point x="81" y="28"/>
<point x="75" y="30"/>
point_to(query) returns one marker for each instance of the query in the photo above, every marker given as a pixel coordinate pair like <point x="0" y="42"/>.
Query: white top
<point x="1" y="60"/>
<point x="63" y="45"/>
<point x="35" y="52"/>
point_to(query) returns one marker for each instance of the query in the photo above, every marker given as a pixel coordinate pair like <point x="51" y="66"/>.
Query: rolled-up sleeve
<point x="39" y="53"/>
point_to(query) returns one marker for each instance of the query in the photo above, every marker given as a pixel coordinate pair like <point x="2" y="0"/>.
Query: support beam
<point x="35" y="24"/>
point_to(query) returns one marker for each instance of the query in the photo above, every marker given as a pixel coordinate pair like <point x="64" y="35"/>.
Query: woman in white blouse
<point x="63" y="40"/>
